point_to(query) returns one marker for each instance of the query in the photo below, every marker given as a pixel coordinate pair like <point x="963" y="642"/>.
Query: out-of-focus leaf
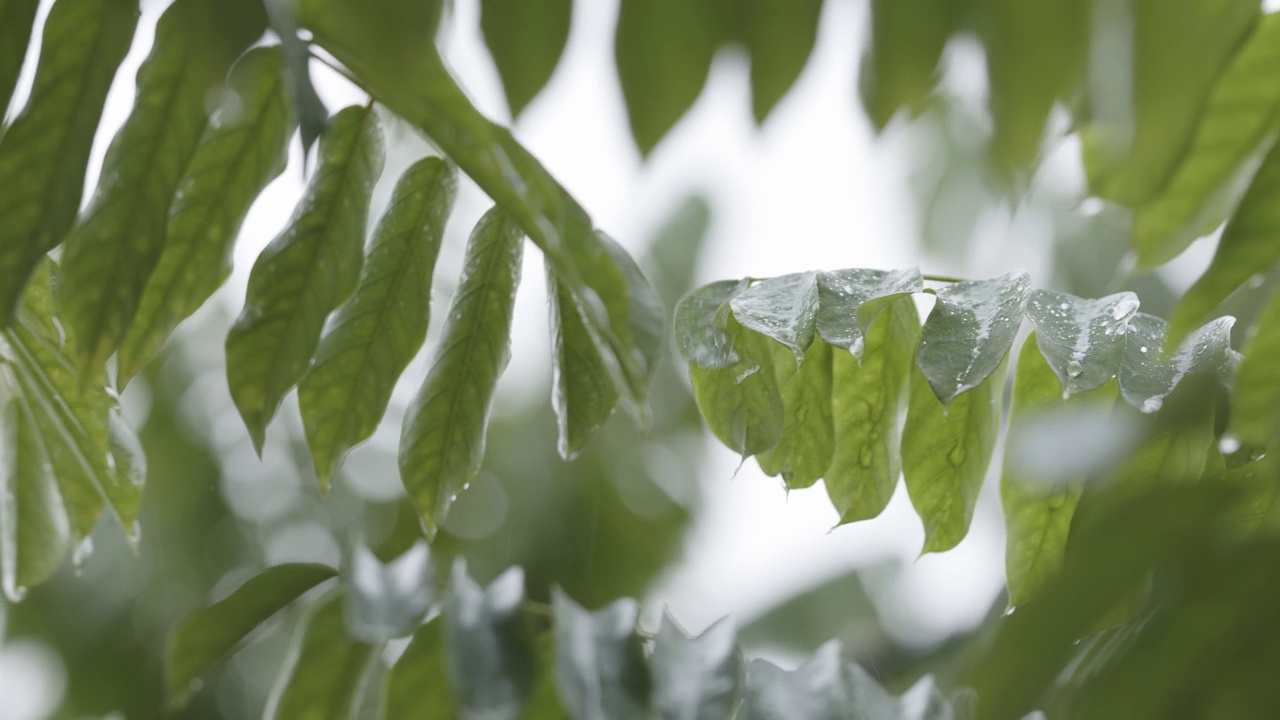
<point x="945" y="454"/>
<point x="313" y="117"/>
<point x="306" y="271"/>
<point x="1255" y="399"/>
<point x="779" y="36"/>
<point x="243" y="148"/>
<point x="1259" y="480"/>
<point x="1240" y="123"/>
<point x="1082" y="340"/>
<point x="696" y="678"/>
<point x="583" y="392"/>
<point x="783" y="308"/>
<point x="702" y="325"/>
<point x="1143" y="117"/>
<point x="44" y="153"/>
<point x="803" y="453"/>
<point x="385" y="601"/>
<point x="900" y="67"/>
<point x="111" y="253"/>
<point x="742" y="403"/>
<point x="417" y="686"/>
<point x="644" y="331"/>
<point x="600" y="667"/>
<point x="16" y="20"/>
<point x="207" y="636"/>
<point x="525" y="38"/>
<point x="326" y="671"/>
<point x="969" y="332"/>
<point x="823" y="688"/>
<point x="1148" y="376"/>
<point x="492" y="657"/>
<point x="868" y="409"/>
<point x="442" y="442"/>
<point x="381" y="328"/>
<point x="676" y="246"/>
<point x="849" y="301"/>
<point x="545" y="701"/>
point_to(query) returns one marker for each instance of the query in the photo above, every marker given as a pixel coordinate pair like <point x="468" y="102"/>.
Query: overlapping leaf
<point x="492" y="657"/>
<point x="825" y="687"/>
<point x="525" y="39"/>
<point x="1083" y="340"/>
<point x="782" y="308"/>
<point x="327" y="670"/>
<point x="600" y="667"/>
<point x="388" y="600"/>
<point x="696" y="678"/>
<point x="418" y="684"/>
<point x="804" y="450"/>
<point x="1148" y="375"/>
<point x="16" y="19"/>
<point x="900" y="67"/>
<point x="1255" y="400"/>
<point x="849" y="301"/>
<point x="742" y="403"/>
<point x="313" y="117"/>
<point x="584" y="393"/>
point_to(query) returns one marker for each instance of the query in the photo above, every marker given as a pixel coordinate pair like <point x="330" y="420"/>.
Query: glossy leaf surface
<point x="525" y="39"/>
<point x="823" y="688"/>
<point x="849" y="301"/>
<point x="1083" y="340"/>
<point x="702" y="325"/>
<point x="696" y="678"/>
<point x="600" y="667"/>
<point x="783" y="308"/>
<point x="584" y="393"/>
<point x="492" y="656"/>
<point x="1148" y="376"/>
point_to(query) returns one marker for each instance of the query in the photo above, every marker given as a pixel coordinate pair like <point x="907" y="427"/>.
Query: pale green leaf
<point x="492" y="655"/>
<point x="417" y="686"/>
<point x="584" y="393"/>
<point x="243" y="148"/>
<point x="44" y="153"/>
<point x="869" y="402"/>
<point x="779" y="36"/>
<point x="209" y="635"/>
<point x="969" y="332"/>
<point x="525" y="39"/>
<point x="804" y="451"/>
<point x="1240" y="123"/>
<point x="945" y="454"/>
<point x="381" y="328"/>
<point x="1148" y="375"/>
<point x="742" y="403"/>
<point x="696" y="678"/>
<point x="600" y="666"/>
<point x="900" y="67"/>
<point x="326" y="671"/>
<point x="442" y="441"/>
<point x="701" y="325"/>
<point x="849" y="301"/>
<point x="783" y="308"/>
<point x="1175" y="449"/>
<point x="825" y="687"/>
<point x="1083" y="340"/>
<point x="388" y="600"/>
<point x="16" y="20"/>
<point x="1255" y="398"/>
<point x="306" y="271"/>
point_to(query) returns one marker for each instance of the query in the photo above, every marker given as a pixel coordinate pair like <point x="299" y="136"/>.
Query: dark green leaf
<point x="1255" y="400"/>
<point x="742" y="402"/>
<point x="1237" y="130"/>
<point x="442" y="441"/>
<point x="696" y="678"/>
<point x="417" y="686"/>
<point x="868" y="404"/>
<point x="16" y="20"/>
<point x="306" y="271"/>
<point x="1259" y="480"/>
<point x="823" y="688"/>
<point x="849" y="301"/>
<point x="243" y="148"/>
<point x="492" y="656"/>
<point x="969" y="332"/>
<point x="381" y="328"/>
<point x="900" y="67"/>
<point x="779" y="36"/>
<point x="385" y="601"/>
<point x="1083" y="340"/>
<point x="945" y="454"/>
<point x="701" y="323"/>
<point x="584" y="393"/>
<point x="44" y="153"/>
<point x="1148" y="376"/>
<point x="600" y="666"/>
<point x="803" y="453"/>
<point x="313" y="117"/>
<point x="525" y="38"/>
<point x="644" y="333"/>
<point x="207" y="636"/>
<point x="325" y="674"/>
<point x="783" y="308"/>
<point x="111" y="253"/>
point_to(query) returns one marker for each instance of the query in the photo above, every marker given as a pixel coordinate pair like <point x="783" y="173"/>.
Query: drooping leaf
<point x="849" y="301"/>
<point x="644" y="332"/>
<point x="388" y="600"/>
<point x="442" y="441"/>
<point x="1255" y="398"/>
<point x="1240" y="123"/>
<point x="1148" y="376"/>
<point x="492" y="656"/>
<point x="1142" y="118"/>
<point x="804" y="450"/>
<point x="111" y="253"/>
<point x="1174" y="450"/>
<point x="16" y="20"/>
<point x="779" y="36"/>
<point x="1082" y="340"/>
<point x="701" y="322"/>
<point x="584" y="393"/>
<point x="945" y="454"/>
<point x="900" y="67"/>
<point x="313" y="117"/>
<point x="381" y="328"/>
<point x="44" y="153"/>
<point x="600" y="667"/>
<point x="209" y="635"/>
<point x="306" y="271"/>
<point x="325" y="674"/>
<point x="243" y="148"/>
<point x="969" y="332"/>
<point x="525" y="39"/>
<point x="742" y="403"/>
<point x="868" y="407"/>
<point x="783" y="308"/>
<point x="823" y="688"/>
<point x="696" y="678"/>
<point x="417" y="686"/>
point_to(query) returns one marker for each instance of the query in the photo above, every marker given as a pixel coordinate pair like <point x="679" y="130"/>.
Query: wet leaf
<point x="742" y="403"/>
<point x="804" y="450"/>
<point x="900" y="67"/>
<point x="525" y="39"/>
<point x="388" y="600"/>
<point x="442" y="441"/>
<point x="849" y="301"/>
<point x="823" y="688"/>
<point x="584" y="393"/>
<point x="779" y="36"/>
<point x="701" y="325"/>
<point x="783" y="308"/>
<point x="417" y="686"/>
<point x="696" y="678"/>
<point x="243" y="148"/>
<point x="492" y="656"/>
<point x="16" y="20"/>
<point x="1255" y="399"/>
<point x="1082" y="340"/>
<point x="600" y="667"/>
<point x="306" y="271"/>
<point x="1148" y="376"/>
<point x="325" y="674"/>
<point x="382" y="327"/>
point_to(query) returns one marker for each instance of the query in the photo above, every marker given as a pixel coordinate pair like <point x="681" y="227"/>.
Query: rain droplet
<point x="1127" y="306"/>
<point x="864" y="457"/>
<point x="957" y="454"/>
<point x="1074" y="369"/>
<point x="1229" y="444"/>
<point x="1152" y="404"/>
<point x="747" y="372"/>
<point x="1142" y="349"/>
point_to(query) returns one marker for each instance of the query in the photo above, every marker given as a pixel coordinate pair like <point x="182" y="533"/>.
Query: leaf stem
<point x="943" y="278"/>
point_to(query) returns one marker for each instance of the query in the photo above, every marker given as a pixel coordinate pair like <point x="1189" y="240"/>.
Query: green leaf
<point x="584" y="393"/>
<point x="492" y="656"/>
<point x="417" y="686"/>
<point x="1083" y="340"/>
<point x="1255" y="399"/>
<point x="804" y="451"/>
<point x="945" y="454"/>
<point x="525" y="38"/>
<point x="44" y="153"/>
<point x="1259" y="481"/>
<point x="1239" y="126"/>
<point x="381" y="328"/>
<point x="306" y="271"/>
<point x="111" y="253"/>
<point x="900" y="67"/>
<point x="823" y="688"/>
<point x="779" y="36"/>
<point x="243" y="148"/>
<point x="442" y="441"/>
<point x="701" y="325"/>
<point x="1142" y="119"/>
<point x="313" y="117"/>
<point x="783" y="308"/>
<point x="326" y="671"/>
<point x="849" y="301"/>
<point x="600" y="666"/>
<point x="209" y="635"/>
<point x="969" y="332"/>
<point x="696" y="678"/>
<point x="16" y="20"/>
<point x="868" y="407"/>
<point x="388" y="600"/>
<point x="1176" y="448"/>
<point x="742" y="402"/>
<point x="1148" y="376"/>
